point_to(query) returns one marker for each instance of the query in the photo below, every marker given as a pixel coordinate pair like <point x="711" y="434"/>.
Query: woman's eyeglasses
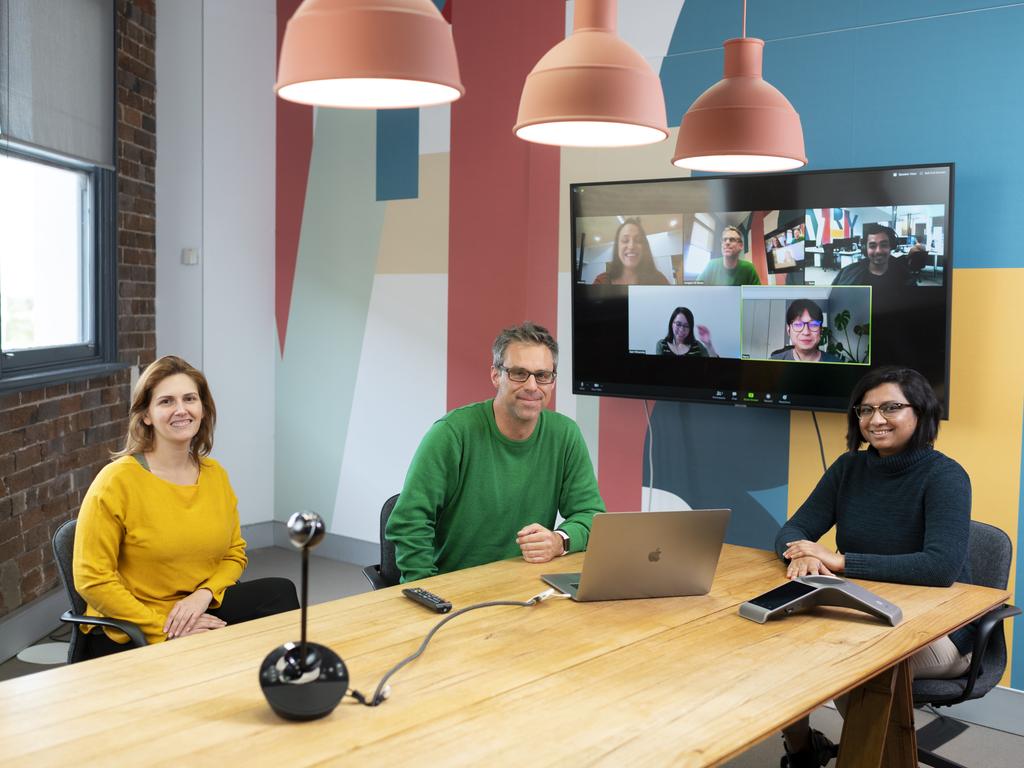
<point x="888" y="410"/>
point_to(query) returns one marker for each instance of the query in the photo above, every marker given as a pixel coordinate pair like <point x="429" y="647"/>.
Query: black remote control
<point x="429" y="599"/>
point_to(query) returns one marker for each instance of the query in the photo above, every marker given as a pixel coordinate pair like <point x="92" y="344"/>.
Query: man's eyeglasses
<point x="888" y="410"/>
<point x="813" y="326"/>
<point x="520" y="375"/>
<point x="732" y="239"/>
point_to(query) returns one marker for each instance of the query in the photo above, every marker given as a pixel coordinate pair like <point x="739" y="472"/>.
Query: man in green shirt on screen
<point x="489" y="478"/>
<point x="730" y="269"/>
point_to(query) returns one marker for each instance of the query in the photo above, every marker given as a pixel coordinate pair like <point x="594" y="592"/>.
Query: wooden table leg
<point x="879" y="725"/>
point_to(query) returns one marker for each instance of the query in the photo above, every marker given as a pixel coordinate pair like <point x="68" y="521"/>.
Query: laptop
<point x="647" y="554"/>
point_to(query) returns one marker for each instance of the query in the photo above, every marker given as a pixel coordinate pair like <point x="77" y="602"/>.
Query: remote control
<point x="429" y="599"/>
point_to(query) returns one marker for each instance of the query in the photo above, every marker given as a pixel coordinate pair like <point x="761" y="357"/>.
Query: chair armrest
<point x="372" y="574"/>
<point x="986" y="625"/>
<point x="135" y="636"/>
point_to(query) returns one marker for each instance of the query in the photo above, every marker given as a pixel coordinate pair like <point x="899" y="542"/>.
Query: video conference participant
<point x="902" y="513"/>
<point x="488" y="478"/>
<point x="632" y="260"/>
<point x="730" y="269"/>
<point x="158" y="540"/>
<point x="679" y="340"/>
<point x="803" y="324"/>
<point x="879" y="269"/>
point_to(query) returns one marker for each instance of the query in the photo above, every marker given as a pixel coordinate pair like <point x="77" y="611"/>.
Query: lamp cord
<point x="382" y="692"/>
<point x="821" y="445"/>
<point x="650" y="457"/>
<point x="744" y="18"/>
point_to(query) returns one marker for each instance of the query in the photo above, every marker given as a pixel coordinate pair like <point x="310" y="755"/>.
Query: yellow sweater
<point x="143" y="543"/>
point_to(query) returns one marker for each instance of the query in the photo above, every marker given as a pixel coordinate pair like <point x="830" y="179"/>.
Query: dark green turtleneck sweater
<point x="903" y="518"/>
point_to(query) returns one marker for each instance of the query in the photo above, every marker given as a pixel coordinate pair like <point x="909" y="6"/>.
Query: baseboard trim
<point x="22" y="627"/>
<point x="344" y="549"/>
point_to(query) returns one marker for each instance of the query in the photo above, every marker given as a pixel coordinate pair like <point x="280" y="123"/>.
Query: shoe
<point x="819" y="754"/>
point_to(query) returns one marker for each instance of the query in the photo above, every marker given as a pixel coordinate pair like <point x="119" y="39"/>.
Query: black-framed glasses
<point x="888" y="410"/>
<point x="520" y="375"/>
<point x="812" y="325"/>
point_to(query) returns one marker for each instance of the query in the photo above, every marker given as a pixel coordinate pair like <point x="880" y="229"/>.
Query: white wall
<point x="216" y="191"/>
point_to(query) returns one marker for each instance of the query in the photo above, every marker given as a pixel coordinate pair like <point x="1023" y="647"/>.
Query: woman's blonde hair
<point x="140" y="435"/>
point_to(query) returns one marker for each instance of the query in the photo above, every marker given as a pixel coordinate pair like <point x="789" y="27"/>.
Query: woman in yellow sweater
<point x="158" y="540"/>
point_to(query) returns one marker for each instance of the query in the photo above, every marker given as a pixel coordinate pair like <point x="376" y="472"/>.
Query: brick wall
<point x="55" y="439"/>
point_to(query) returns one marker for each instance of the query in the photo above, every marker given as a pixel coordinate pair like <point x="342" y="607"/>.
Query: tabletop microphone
<point x="304" y="681"/>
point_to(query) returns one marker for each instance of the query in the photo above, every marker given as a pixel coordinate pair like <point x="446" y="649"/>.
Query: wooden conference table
<point x="682" y="681"/>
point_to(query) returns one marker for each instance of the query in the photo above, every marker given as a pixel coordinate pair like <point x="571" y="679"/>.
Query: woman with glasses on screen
<point x="632" y="261"/>
<point x="902" y="513"/>
<point x="679" y="340"/>
<point x="158" y="540"/>
<point x="803" y="325"/>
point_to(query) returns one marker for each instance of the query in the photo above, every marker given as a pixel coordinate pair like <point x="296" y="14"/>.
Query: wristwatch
<point x="565" y="541"/>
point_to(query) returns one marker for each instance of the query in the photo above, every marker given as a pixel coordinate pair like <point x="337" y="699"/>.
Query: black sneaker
<point x="819" y="754"/>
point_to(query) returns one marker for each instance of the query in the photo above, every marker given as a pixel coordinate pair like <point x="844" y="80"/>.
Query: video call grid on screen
<point x="816" y="235"/>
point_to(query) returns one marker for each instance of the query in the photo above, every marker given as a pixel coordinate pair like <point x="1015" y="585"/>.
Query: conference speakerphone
<point x="806" y="592"/>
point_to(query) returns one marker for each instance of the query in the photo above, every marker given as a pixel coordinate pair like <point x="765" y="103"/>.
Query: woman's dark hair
<point x="646" y="271"/>
<point x="670" y="336"/>
<point x="918" y="393"/>
<point x="796" y="309"/>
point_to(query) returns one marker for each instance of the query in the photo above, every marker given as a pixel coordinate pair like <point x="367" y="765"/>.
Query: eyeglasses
<point x="732" y="239"/>
<point x="888" y="410"/>
<point x="677" y="324"/>
<point x="813" y="326"/>
<point x="520" y="375"/>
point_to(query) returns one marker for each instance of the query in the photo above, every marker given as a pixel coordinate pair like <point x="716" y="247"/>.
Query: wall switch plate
<point x="190" y="256"/>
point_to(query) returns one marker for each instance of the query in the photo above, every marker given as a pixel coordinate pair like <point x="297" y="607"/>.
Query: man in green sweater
<point x="489" y="478"/>
<point x="730" y="269"/>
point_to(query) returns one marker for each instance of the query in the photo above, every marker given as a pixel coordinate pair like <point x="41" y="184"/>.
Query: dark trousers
<point x="244" y="601"/>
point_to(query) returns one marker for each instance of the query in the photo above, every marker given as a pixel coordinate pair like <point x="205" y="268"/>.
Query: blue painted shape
<point x="398" y="154"/>
<point x="713" y="456"/>
<point x="774" y="500"/>
<point x="935" y="87"/>
<point x="1017" y="664"/>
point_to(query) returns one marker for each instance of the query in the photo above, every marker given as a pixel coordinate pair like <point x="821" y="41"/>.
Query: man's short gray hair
<point x="527" y="333"/>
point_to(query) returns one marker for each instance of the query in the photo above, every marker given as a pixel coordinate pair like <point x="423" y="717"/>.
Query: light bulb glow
<point x="369" y="93"/>
<point x="591" y="133"/>
<point x="738" y="163"/>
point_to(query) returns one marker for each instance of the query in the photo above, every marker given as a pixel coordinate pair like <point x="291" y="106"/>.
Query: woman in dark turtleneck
<point x="902" y="513"/>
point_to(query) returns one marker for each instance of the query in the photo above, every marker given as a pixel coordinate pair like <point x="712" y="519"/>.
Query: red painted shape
<point x="620" y="453"/>
<point x="294" y="147"/>
<point x="504" y="205"/>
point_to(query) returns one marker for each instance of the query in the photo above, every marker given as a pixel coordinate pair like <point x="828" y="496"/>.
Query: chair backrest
<point x="388" y="567"/>
<point x="63" y="549"/>
<point x="990" y="554"/>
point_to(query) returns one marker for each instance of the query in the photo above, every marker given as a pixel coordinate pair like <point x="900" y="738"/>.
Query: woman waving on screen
<point x="679" y="340"/>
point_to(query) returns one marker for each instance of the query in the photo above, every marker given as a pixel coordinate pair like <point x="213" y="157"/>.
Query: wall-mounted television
<point x="778" y="291"/>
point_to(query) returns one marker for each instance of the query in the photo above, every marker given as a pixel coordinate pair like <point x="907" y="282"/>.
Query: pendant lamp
<point x="741" y="124"/>
<point x="592" y="89"/>
<point x="368" y="54"/>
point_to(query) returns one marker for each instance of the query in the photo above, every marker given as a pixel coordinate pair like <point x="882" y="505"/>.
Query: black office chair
<point x="990" y="554"/>
<point x="386" y="573"/>
<point x="63" y="549"/>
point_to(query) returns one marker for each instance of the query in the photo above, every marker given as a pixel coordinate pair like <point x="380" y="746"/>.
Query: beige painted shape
<point x="984" y="430"/>
<point x="414" y="238"/>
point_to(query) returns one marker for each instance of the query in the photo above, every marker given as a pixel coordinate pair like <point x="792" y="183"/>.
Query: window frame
<point x="32" y="368"/>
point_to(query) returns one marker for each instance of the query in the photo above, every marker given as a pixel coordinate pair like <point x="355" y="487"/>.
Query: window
<point x="57" y="300"/>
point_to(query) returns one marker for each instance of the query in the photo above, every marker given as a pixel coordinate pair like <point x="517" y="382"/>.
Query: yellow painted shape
<point x="414" y="238"/>
<point x="984" y="429"/>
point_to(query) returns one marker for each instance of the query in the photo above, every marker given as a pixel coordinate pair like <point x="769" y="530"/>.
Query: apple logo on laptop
<point x="654" y="556"/>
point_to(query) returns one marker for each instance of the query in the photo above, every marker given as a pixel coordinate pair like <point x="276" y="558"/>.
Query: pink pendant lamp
<point x="368" y="54"/>
<point x="592" y="89"/>
<point x="741" y="124"/>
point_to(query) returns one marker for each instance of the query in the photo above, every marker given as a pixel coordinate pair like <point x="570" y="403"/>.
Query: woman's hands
<point x="704" y="334"/>
<point x="187" y="612"/>
<point x="810" y="558"/>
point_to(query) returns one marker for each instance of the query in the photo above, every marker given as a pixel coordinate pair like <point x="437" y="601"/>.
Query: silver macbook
<point x="647" y="554"/>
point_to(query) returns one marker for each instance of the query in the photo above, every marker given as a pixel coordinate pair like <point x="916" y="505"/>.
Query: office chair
<point x="990" y="554"/>
<point x="385" y="574"/>
<point x="63" y="549"/>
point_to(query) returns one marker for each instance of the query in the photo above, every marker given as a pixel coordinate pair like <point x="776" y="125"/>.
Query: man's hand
<point x="810" y="558"/>
<point x="182" y="618"/>
<point x="538" y="544"/>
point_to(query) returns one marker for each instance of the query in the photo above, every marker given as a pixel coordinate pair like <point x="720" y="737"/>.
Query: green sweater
<point x="743" y="273"/>
<point x="470" y="489"/>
